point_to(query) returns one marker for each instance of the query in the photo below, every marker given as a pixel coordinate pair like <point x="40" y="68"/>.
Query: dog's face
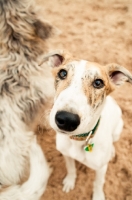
<point x="81" y="89"/>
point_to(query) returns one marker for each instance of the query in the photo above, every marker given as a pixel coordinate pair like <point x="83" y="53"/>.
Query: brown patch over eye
<point x="94" y="86"/>
<point x="63" y="77"/>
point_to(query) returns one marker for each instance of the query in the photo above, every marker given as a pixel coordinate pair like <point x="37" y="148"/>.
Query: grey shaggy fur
<point x="24" y="85"/>
<point x="22" y="42"/>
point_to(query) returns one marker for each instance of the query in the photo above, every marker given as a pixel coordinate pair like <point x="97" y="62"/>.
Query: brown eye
<point x="98" y="83"/>
<point x="62" y="74"/>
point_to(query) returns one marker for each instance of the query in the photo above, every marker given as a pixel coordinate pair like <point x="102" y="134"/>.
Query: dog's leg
<point x="98" y="193"/>
<point x="118" y="130"/>
<point x="69" y="180"/>
<point x="116" y="135"/>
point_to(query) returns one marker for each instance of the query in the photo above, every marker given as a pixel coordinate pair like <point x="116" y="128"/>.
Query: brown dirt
<point x="98" y="31"/>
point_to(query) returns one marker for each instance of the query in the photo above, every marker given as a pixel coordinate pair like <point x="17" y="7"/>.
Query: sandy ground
<point x="98" y="31"/>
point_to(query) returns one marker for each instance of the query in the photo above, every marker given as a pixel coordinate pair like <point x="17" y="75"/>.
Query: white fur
<point x="73" y="99"/>
<point x="34" y="187"/>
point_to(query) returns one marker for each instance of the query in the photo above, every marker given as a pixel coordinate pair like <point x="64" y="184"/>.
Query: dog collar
<point x="88" y="137"/>
<point x="83" y="136"/>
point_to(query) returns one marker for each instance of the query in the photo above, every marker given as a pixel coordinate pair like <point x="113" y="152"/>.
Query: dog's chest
<point x="75" y="149"/>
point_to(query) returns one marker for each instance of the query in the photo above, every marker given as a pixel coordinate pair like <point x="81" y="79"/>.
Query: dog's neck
<point x="84" y="136"/>
<point x="92" y="126"/>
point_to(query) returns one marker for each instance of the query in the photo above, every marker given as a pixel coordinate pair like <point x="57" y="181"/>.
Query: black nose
<point x="67" y="121"/>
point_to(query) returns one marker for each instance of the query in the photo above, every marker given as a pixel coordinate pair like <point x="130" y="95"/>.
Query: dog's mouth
<point x="66" y="121"/>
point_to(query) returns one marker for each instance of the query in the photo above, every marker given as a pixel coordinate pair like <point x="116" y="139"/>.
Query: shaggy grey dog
<point x="24" y="88"/>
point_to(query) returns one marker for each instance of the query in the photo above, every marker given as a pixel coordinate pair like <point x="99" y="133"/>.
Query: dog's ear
<point x="56" y="58"/>
<point x="45" y="30"/>
<point x="118" y="74"/>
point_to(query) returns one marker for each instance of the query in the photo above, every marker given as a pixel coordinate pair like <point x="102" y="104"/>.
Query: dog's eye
<point x="98" y="83"/>
<point x="62" y="74"/>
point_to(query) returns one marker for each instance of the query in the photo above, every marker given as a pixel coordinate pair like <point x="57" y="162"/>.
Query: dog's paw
<point x="98" y="196"/>
<point x="69" y="183"/>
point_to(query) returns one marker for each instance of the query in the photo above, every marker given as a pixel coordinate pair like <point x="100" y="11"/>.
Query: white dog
<point x="86" y="119"/>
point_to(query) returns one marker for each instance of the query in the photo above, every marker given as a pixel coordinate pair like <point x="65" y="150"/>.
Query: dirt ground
<point x="99" y="31"/>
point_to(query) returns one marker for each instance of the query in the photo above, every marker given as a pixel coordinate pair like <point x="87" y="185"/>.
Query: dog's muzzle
<point x="67" y="121"/>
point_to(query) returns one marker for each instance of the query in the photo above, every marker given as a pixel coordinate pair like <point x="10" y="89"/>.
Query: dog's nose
<point x="67" y="121"/>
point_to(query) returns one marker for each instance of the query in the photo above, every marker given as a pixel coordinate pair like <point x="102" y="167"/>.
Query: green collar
<point x="83" y="136"/>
